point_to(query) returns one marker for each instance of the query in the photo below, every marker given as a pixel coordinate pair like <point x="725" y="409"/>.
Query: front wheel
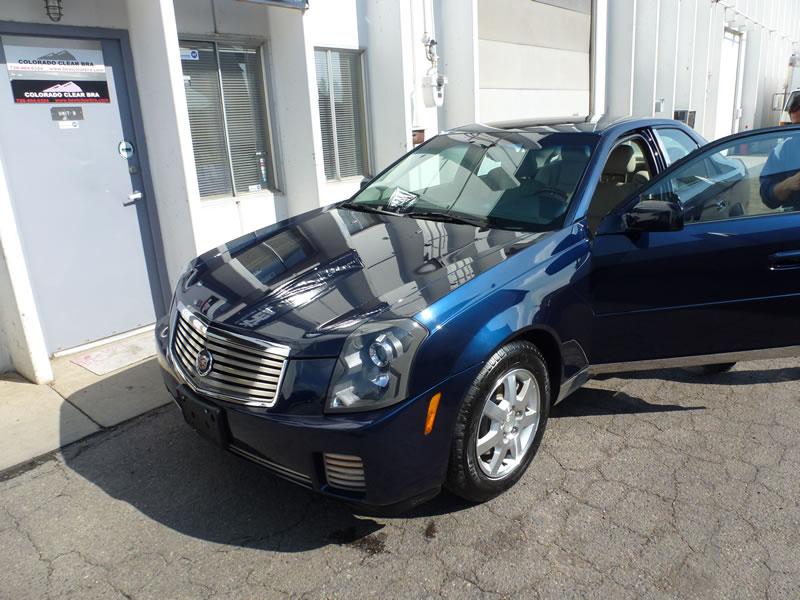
<point x="500" y="424"/>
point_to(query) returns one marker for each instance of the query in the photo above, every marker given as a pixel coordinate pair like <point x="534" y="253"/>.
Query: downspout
<point x="598" y="53"/>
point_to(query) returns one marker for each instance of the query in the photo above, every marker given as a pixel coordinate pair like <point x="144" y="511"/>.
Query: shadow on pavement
<point x="588" y="402"/>
<point x="162" y="468"/>
<point x="735" y="377"/>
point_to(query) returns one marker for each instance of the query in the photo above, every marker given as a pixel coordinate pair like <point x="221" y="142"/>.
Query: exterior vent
<point x="345" y="472"/>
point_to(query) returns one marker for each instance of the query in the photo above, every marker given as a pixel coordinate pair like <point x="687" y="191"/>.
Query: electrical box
<point x="433" y="89"/>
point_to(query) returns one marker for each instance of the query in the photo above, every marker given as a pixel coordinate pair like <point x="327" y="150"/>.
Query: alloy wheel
<point x="508" y="423"/>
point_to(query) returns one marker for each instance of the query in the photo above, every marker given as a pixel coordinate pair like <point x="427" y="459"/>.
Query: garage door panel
<point x="512" y="66"/>
<point x="503" y="105"/>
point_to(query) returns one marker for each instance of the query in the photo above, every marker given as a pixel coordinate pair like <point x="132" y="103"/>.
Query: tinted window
<point x="751" y="176"/>
<point x="676" y="144"/>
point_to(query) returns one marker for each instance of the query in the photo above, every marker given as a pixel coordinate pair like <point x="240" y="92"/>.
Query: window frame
<point x="261" y="46"/>
<point x="361" y="52"/>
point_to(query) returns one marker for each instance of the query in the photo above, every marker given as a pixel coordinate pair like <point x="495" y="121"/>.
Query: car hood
<point x="309" y="281"/>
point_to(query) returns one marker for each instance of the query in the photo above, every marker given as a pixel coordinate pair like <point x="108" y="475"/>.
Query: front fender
<point x="467" y="329"/>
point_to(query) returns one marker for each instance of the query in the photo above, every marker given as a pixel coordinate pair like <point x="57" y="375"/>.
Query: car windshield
<point x="512" y="180"/>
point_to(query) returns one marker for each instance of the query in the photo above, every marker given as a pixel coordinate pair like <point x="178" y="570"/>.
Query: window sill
<point x="263" y="194"/>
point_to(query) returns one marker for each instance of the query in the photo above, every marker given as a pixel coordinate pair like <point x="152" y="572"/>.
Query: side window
<point x="751" y="176"/>
<point x="676" y="144"/>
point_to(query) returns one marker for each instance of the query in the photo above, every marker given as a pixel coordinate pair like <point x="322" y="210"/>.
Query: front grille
<point x="345" y="471"/>
<point x="241" y="370"/>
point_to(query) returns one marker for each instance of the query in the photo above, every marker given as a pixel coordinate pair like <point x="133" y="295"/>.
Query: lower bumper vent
<point x="345" y="472"/>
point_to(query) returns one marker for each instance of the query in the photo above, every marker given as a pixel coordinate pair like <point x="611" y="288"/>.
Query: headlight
<point x="374" y="365"/>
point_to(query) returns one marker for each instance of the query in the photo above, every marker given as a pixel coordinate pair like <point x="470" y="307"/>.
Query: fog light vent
<point x="344" y="471"/>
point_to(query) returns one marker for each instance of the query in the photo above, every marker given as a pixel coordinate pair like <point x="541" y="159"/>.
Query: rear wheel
<point x="500" y="424"/>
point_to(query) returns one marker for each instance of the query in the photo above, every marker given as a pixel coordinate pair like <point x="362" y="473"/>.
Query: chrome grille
<point x="345" y="471"/>
<point x="241" y="370"/>
<point x="279" y="470"/>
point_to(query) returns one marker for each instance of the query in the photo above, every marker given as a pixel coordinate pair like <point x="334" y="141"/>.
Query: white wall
<point x="159" y="79"/>
<point x="458" y="47"/>
<point x="619" y="70"/>
<point x="667" y="57"/>
<point x="671" y="49"/>
<point x="93" y="13"/>
<point x="293" y="113"/>
<point x="5" y="358"/>
<point x="534" y="60"/>
<point x="20" y="329"/>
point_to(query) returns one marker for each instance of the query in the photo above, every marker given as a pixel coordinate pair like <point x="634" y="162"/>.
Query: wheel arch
<point x="549" y="344"/>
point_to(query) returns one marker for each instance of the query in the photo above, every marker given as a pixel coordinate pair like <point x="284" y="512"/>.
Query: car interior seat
<point x="619" y="180"/>
<point x="522" y="202"/>
<point x="564" y="174"/>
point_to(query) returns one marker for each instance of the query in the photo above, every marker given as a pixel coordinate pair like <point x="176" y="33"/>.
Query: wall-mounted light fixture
<point x="54" y="10"/>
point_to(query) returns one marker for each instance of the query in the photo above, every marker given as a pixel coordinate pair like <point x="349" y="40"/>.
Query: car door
<point x="728" y="281"/>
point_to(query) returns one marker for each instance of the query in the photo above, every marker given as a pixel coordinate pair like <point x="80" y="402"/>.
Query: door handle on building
<point x="133" y="198"/>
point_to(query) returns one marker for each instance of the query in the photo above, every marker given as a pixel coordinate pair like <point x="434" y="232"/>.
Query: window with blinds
<point x="340" y="89"/>
<point x="227" y="113"/>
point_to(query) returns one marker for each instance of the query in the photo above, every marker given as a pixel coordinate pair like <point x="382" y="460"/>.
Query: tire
<point x="513" y="432"/>
<point x="711" y="369"/>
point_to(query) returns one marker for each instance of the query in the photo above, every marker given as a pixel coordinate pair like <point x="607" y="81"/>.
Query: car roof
<point x="605" y="126"/>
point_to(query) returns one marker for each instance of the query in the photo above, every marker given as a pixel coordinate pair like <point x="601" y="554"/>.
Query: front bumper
<point x="402" y="466"/>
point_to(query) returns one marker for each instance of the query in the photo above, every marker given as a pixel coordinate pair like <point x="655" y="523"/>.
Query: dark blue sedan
<point x="417" y="335"/>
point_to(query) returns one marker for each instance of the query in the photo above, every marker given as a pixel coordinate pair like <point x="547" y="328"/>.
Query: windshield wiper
<point x="447" y="217"/>
<point x="367" y="208"/>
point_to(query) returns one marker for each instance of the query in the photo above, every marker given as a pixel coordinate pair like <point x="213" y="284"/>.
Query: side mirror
<point x="649" y="213"/>
<point x="364" y="183"/>
<point x="654" y="215"/>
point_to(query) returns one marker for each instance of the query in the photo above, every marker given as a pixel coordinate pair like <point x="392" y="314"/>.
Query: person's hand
<point x="793" y="183"/>
<point x="784" y="190"/>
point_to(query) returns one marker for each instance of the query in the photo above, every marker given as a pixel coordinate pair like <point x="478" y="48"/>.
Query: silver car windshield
<point x="522" y="181"/>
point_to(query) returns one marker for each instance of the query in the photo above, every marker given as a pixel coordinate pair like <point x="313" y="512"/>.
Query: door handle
<point x="781" y="261"/>
<point x="133" y="198"/>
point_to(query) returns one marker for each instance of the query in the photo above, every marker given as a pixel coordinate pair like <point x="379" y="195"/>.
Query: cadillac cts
<point x="416" y="335"/>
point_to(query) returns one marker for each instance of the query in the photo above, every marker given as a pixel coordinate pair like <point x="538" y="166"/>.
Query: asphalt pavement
<point x="657" y="485"/>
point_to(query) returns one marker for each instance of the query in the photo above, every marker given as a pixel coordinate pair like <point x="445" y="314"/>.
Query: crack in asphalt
<point x="661" y="503"/>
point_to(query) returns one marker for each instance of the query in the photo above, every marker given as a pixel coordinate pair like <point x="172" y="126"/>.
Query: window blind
<point x="203" y="98"/>
<point x="341" y="107"/>
<point x="244" y="115"/>
<point x="227" y="115"/>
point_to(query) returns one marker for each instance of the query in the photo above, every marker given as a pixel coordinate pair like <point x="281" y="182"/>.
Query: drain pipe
<point x="598" y="55"/>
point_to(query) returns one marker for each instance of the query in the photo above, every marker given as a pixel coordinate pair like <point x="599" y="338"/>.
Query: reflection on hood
<point x="322" y="274"/>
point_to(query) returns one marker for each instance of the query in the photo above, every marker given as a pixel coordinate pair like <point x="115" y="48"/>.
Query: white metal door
<point x="67" y="143"/>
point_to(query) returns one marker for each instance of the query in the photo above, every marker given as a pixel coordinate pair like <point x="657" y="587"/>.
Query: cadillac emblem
<point x="203" y="363"/>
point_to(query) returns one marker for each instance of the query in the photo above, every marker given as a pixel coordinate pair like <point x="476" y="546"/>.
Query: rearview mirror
<point x="648" y="214"/>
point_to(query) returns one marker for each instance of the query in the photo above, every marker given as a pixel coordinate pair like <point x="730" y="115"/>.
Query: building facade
<point x="136" y="134"/>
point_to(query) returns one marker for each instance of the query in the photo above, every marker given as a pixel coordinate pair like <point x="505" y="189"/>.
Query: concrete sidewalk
<point x="37" y="419"/>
